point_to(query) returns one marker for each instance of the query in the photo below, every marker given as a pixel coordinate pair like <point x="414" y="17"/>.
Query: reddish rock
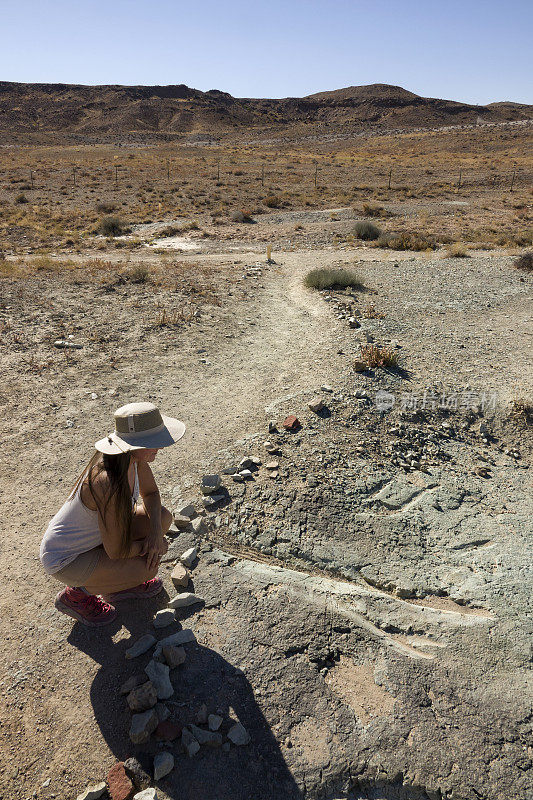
<point x="167" y="731"/>
<point x="120" y="786"/>
<point x="292" y="423"/>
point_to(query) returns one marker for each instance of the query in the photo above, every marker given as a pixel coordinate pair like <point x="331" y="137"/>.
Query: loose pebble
<point x="185" y="599"/>
<point x="163" y="618"/>
<point x="159" y="675"/>
<point x="239" y="735"/>
<point x="180" y="576"/>
<point x="93" y="792"/>
<point x="214" y="721"/>
<point x="143" y="697"/>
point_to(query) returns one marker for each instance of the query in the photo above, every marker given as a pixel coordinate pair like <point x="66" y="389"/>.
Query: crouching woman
<point x="106" y="541"/>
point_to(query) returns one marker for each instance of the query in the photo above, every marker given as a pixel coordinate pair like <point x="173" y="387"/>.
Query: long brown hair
<point x="116" y="468"/>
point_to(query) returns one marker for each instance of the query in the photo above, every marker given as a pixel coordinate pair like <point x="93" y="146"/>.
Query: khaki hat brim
<point x="114" y="444"/>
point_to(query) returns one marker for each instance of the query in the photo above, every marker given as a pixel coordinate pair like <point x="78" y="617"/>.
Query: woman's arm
<point x="154" y="545"/>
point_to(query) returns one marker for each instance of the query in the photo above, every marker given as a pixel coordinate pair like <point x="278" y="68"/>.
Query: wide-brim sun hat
<point x="140" y="425"/>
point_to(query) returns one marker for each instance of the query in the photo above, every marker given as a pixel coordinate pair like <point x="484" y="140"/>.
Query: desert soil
<point x="366" y="622"/>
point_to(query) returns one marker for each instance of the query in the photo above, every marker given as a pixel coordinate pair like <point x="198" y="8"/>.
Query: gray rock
<point x="162" y="712"/>
<point x="238" y="478"/>
<point x="211" y="500"/>
<point x="198" y="526"/>
<point x="210" y="738"/>
<point x="136" y="773"/>
<point x="143" y="697"/>
<point x="181" y="521"/>
<point x="159" y="675"/>
<point x="246" y="474"/>
<point x="185" y="599"/>
<point x="214" y="721"/>
<point x="239" y="735"/>
<point x="163" y="764"/>
<point x="210" y="483"/>
<point x="189" y="556"/>
<point x="142" y="726"/>
<point x="397" y="494"/>
<point x="163" y="618"/>
<point x="188" y="510"/>
<point x="174" y="656"/>
<point x="132" y="683"/>
<point x="190" y="744"/>
<point x="146" y="794"/>
<point x="180" y="637"/>
<point x="141" y="646"/>
<point x="93" y="792"/>
<point x="201" y="715"/>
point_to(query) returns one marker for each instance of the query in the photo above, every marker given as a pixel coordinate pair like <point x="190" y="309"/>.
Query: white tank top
<point x="73" y="530"/>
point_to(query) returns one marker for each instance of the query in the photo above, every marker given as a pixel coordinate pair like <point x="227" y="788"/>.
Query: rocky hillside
<point x="62" y="108"/>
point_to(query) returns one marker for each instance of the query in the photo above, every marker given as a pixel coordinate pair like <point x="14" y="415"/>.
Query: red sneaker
<point x="146" y="589"/>
<point x="86" y="608"/>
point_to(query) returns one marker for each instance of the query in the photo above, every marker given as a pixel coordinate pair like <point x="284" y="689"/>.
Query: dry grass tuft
<point x="332" y="279"/>
<point x="374" y="356"/>
<point x="457" y="250"/>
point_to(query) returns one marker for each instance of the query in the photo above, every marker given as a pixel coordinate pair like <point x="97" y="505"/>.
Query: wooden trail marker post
<point x="390" y="177"/>
<point x="512" y="180"/>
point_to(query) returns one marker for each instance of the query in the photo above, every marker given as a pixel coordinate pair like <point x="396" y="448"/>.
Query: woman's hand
<point x="154" y="546"/>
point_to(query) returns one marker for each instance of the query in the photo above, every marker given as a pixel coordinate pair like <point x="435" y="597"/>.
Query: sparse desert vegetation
<point x="333" y="279"/>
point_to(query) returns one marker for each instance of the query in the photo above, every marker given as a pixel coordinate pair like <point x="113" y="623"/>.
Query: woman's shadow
<point x="256" y="771"/>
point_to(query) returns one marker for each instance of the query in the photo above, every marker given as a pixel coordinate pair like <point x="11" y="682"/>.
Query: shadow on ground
<point x="256" y="771"/>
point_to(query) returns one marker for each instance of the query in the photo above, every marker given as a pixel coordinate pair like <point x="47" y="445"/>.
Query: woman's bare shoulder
<point x="98" y="489"/>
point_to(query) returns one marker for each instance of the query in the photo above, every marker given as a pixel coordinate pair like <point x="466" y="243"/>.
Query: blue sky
<point x="473" y="51"/>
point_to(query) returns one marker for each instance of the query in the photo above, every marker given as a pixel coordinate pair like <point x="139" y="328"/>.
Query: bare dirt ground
<point x="380" y="655"/>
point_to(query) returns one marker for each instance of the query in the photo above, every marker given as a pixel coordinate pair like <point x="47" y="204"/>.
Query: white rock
<point x="141" y="646"/>
<point x="189" y="556"/>
<point x="146" y="794"/>
<point x="163" y="764"/>
<point x="163" y="618"/>
<point x="212" y="499"/>
<point x="93" y="792"/>
<point x="185" y="599"/>
<point x="246" y="474"/>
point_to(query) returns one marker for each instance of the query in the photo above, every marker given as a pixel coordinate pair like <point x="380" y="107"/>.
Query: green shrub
<point x="525" y="262"/>
<point x="332" y="279"/>
<point x="406" y="241"/>
<point x="366" y="231"/>
<point x="111" y="226"/>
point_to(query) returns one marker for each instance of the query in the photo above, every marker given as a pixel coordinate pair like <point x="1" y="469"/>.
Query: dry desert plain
<point x="365" y="611"/>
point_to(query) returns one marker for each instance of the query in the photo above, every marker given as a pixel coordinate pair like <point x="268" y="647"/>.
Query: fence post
<point x="390" y="176"/>
<point x="512" y="180"/>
